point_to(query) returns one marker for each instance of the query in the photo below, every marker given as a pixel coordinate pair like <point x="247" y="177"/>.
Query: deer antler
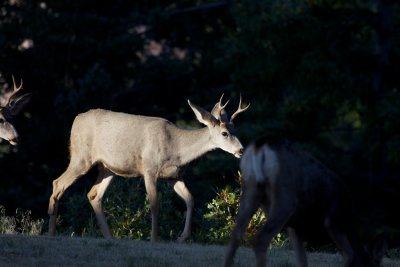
<point x="15" y="86"/>
<point x="15" y="89"/>
<point x="218" y="111"/>
<point x="240" y="109"/>
<point x="8" y="96"/>
<point x="12" y="100"/>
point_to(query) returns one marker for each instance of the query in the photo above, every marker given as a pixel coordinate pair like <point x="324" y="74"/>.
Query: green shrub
<point x="219" y="220"/>
<point x="127" y="211"/>
<point x="128" y="214"/>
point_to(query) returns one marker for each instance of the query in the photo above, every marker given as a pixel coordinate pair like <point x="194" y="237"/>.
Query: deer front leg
<point x="151" y="189"/>
<point x="59" y="187"/>
<point x="53" y="211"/>
<point x="181" y="189"/>
<point x="73" y="172"/>
<point x="95" y="197"/>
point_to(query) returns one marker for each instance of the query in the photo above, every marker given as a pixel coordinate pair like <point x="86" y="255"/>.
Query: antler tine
<point x="218" y="111"/>
<point x="221" y="107"/>
<point x="240" y="109"/>
<point x="6" y="97"/>
<point x="223" y="117"/>
<point x="16" y="89"/>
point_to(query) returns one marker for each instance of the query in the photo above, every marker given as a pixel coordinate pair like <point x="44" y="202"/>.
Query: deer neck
<point x="193" y="144"/>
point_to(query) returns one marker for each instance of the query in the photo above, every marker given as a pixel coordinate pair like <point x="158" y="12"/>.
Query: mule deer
<point x="298" y="192"/>
<point x="10" y="105"/>
<point x="131" y="145"/>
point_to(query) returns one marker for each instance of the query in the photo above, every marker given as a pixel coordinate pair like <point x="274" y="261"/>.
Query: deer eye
<point x="224" y="134"/>
<point x="2" y="120"/>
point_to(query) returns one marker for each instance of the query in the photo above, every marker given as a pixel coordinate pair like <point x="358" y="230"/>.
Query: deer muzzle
<point x="239" y="153"/>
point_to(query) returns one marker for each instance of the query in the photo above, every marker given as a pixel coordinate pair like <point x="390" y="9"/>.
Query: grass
<point x="21" y="222"/>
<point x="23" y="250"/>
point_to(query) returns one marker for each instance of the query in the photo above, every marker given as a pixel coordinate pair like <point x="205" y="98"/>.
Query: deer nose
<point x="239" y="153"/>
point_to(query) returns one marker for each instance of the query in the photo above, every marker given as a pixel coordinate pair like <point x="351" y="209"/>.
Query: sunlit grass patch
<point x="21" y="222"/>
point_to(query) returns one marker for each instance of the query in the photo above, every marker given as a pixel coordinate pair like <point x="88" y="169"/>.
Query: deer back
<point x="121" y="141"/>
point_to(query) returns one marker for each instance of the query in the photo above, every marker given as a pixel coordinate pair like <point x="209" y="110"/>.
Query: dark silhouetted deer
<point x="297" y="192"/>
<point x="131" y="145"/>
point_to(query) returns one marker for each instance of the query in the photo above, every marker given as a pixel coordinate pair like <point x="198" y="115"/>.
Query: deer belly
<point x="130" y="170"/>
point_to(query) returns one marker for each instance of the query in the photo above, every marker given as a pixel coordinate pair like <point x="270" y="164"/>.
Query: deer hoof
<point x="182" y="238"/>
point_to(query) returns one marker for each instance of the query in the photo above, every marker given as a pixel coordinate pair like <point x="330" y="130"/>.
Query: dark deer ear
<point x="16" y="104"/>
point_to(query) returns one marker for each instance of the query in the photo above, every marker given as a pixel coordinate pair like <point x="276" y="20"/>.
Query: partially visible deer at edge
<point x="131" y="145"/>
<point x="10" y="105"/>
<point x="296" y="191"/>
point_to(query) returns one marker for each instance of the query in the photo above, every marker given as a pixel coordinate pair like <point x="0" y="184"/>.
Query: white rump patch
<point x="262" y="164"/>
<point x="265" y="164"/>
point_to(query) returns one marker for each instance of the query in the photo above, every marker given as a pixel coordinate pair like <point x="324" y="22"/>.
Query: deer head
<point x="10" y="105"/>
<point x="222" y="130"/>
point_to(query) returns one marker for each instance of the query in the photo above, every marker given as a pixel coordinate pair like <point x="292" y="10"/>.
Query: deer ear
<point x="16" y="104"/>
<point x="203" y="116"/>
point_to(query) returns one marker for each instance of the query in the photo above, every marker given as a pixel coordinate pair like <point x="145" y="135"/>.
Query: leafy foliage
<point x="128" y="213"/>
<point x="127" y="210"/>
<point x="219" y="220"/>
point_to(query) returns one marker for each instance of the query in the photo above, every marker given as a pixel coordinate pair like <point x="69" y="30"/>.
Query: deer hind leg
<point x="298" y="245"/>
<point x="75" y="170"/>
<point x="277" y="216"/>
<point x="95" y="197"/>
<point x="181" y="189"/>
<point x="151" y="189"/>
<point x="341" y="240"/>
<point x="249" y="204"/>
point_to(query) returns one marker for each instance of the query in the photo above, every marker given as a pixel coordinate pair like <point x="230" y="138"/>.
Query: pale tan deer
<point x="11" y="103"/>
<point x="299" y="193"/>
<point x="130" y="145"/>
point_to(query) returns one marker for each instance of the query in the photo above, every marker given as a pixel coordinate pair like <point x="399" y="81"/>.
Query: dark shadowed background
<point x="324" y="73"/>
